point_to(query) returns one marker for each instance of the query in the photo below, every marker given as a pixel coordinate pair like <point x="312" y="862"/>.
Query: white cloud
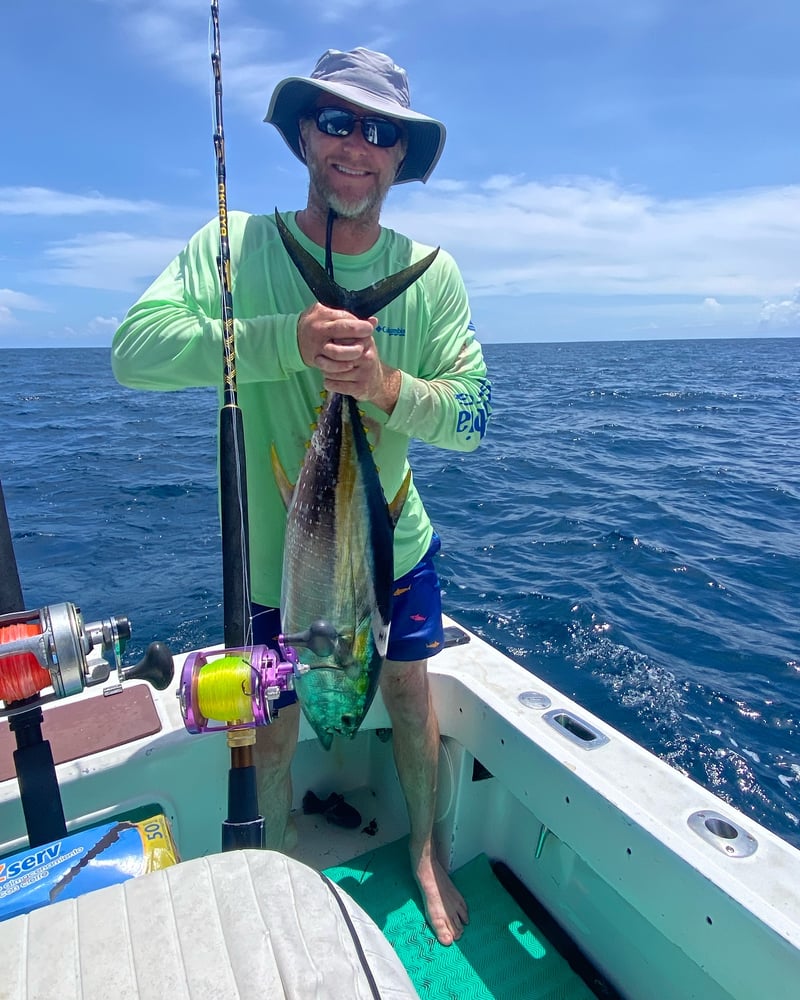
<point x="47" y="202"/>
<point x="173" y="33"/>
<point x="103" y="324"/>
<point x="11" y="301"/>
<point x="20" y="300"/>
<point x="783" y="314"/>
<point x="501" y="182"/>
<point x="448" y="184"/>
<point x="113" y="261"/>
<point x="586" y="236"/>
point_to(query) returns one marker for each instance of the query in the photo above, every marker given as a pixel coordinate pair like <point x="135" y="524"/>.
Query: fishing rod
<point x="233" y="473"/>
<point x="244" y="827"/>
<point x="233" y="690"/>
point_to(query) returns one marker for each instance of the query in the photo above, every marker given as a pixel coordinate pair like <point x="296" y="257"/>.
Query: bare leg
<point x="275" y="746"/>
<point x="416" y="752"/>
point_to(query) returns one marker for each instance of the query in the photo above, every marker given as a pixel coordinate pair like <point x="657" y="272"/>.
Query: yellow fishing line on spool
<point x="225" y="690"/>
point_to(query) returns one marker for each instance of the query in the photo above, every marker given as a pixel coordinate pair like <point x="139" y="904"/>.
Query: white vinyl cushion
<point x="242" y="924"/>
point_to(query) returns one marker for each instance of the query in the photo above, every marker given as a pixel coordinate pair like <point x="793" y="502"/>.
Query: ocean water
<point x="629" y="530"/>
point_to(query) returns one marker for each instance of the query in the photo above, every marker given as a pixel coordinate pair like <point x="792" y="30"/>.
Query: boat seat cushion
<point x="242" y="924"/>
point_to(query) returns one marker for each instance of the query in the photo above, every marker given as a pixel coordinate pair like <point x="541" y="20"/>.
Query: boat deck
<point x="322" y="845"/>
<point x="504" y="954"/>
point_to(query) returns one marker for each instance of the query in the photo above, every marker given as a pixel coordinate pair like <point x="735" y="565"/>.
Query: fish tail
<point x="325" y="289"/>
<point x="369" y="301"/>
<point x="363" y="303"/>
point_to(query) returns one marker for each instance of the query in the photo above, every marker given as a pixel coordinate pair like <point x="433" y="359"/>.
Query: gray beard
<point x="368" y="206"/>
<point x="365" y="208"/>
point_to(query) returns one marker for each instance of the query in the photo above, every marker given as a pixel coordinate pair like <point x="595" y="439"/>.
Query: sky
<point x="614" y="169"/>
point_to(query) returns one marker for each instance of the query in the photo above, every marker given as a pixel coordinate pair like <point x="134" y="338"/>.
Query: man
<point x="416" y="370"/>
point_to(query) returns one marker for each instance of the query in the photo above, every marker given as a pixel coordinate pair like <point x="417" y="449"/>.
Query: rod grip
<point x="234" y="523"/>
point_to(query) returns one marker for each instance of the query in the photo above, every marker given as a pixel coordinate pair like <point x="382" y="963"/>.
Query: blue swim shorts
<point x="416" y="632"/>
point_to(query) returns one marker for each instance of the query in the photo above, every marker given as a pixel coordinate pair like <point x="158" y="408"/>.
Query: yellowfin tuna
<point x="338" y="565"/>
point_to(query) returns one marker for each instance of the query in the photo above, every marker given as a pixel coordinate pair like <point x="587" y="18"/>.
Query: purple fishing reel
<point x="233" y="687"/>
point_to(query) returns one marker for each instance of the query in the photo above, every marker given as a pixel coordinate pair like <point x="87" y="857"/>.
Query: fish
<point x="338" y="561"/>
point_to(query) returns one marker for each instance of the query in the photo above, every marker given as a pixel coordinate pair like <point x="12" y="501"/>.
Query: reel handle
<point x="156" y="667"/>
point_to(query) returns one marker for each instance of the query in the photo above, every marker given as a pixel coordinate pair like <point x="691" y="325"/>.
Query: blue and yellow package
<point x="83" y="862"/>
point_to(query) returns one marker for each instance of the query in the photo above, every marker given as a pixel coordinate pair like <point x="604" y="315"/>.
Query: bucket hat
<point x="372" y="81"/>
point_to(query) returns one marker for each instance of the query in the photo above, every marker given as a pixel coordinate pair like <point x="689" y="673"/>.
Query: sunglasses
<point x="339" y="121"/>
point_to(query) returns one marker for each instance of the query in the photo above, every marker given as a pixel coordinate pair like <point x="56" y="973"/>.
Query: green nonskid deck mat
<point x="502" y="955"/>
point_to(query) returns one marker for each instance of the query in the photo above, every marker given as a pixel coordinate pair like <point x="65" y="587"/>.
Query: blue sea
<point x="630" y="531"/>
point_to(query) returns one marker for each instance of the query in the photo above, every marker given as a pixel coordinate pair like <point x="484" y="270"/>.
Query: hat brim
<point x="296" y="95"/>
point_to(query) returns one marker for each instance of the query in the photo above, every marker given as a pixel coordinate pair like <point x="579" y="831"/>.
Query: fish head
<point x="338" y="689"/>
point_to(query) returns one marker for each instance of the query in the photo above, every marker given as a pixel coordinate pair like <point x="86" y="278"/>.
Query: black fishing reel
<point x="53" y="648"/>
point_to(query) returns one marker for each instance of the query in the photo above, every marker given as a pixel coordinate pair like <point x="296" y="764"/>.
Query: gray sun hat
<point x="372" y="81"/>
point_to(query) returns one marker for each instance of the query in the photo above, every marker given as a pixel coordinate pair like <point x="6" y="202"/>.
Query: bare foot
<point x="445" y="907"/>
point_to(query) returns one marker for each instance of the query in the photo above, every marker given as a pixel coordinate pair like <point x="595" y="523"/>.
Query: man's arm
<point x="172" y="337"/>
<point x="448" y="403"/>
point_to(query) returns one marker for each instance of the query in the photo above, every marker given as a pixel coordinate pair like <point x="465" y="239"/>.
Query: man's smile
<point x="350" y="171"/>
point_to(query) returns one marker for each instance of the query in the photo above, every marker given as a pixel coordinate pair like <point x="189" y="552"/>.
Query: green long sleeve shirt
<point x="172" y="339"/>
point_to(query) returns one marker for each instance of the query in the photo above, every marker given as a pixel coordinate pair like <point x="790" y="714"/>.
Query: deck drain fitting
<point x="722" y="833"/>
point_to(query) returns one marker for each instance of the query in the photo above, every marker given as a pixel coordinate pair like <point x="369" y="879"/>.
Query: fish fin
<point x="380" y="632"/>
<point x="373" y="429"/>
<point x="285" y="488"/>
<point x="363" y="303"/>
<point x="325" y="737"/>
<point x="396" y="506"/>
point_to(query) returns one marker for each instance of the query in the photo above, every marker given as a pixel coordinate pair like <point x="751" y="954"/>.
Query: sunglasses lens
<point x="380" y="132"/>
<point x="340" y="122"/>
<point x="335" y="121"/>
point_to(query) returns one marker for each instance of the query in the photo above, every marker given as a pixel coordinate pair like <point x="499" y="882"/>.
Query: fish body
<point x="338" y="570"/>
<point x="338" y="563"/>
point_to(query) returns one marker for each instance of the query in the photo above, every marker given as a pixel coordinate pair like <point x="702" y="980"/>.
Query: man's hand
<point x="344" y="350"/>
